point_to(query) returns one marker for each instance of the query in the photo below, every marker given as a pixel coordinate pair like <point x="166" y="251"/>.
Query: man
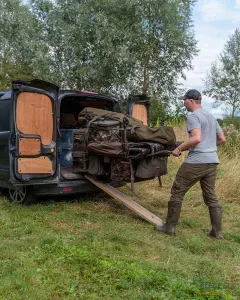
<point x="201" y="163"/>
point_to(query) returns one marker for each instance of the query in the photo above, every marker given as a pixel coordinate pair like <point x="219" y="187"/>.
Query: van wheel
<point x="22" y="195"/>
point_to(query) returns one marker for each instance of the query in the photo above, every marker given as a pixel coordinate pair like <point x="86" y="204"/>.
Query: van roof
<point x="89" y="95"/>
<point x="7" y="94"/>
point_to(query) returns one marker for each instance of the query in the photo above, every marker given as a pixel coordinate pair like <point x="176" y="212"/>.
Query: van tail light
<point x="67" y="189"/>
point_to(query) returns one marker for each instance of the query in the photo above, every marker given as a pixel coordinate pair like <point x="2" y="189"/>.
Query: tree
<point x="223" y="80"/>
<point x="117" y="46"/>
<point x="18" y="34"/>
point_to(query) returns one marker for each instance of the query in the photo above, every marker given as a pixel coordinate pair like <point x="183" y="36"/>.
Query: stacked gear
<point x="121" y="146"/>
<point x="138" y="133"/>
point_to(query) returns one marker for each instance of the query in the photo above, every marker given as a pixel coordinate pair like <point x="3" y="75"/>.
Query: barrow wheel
<point x="21" y="195"/>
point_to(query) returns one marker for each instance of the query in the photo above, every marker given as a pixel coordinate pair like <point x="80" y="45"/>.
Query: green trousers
<point x="188" y="175"/>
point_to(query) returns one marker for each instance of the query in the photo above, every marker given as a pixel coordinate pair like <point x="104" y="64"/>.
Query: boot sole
<point x="215" y="237"/>
<point x="165" y="232"/>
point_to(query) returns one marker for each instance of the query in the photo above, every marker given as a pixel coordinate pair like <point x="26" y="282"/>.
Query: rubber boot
<point x="216" y="221"/>
<point x="174" y="210"/>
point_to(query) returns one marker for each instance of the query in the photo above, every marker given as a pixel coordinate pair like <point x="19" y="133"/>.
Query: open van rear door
<point x="33" y="143"/>
<point x="138" y="107"/>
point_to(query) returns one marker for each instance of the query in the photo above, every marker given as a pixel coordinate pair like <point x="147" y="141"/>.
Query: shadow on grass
<point x="76" y="198"/>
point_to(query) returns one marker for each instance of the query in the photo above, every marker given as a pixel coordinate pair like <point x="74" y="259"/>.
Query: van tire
<point x="22" y="195"/>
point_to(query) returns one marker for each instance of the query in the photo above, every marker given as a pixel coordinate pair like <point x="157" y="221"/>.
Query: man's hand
<point x="176" y="152"/>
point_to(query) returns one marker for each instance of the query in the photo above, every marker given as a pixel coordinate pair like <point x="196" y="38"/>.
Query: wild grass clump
<point x="232" y="147"/>
<point x="229" y="168"/>
<point x="228" y="176"/>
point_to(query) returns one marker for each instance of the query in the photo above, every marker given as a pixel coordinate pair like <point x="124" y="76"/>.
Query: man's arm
<point x="220" y="139"/>
<point x="195" y="138"/>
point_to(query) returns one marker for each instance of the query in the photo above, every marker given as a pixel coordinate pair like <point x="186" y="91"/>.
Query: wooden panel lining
<point x="38" y="165"/>
<point x="34" y="115"/>
<point x="139" y="112"/>
<point x="29" y="146"/>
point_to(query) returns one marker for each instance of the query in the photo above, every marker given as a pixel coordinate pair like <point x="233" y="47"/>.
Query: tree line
<point x="110" y="46"/>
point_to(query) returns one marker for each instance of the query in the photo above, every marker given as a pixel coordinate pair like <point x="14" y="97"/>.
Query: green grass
<point x="94" y="248"/>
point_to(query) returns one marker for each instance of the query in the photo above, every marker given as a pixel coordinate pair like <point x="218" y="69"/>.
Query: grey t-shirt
<point x="204" y="152"/>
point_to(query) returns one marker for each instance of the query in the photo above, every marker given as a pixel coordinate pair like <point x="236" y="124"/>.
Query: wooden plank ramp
<point x="126" y="200"/>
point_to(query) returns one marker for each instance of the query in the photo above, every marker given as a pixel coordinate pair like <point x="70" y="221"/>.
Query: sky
<point x="214" y="21"/>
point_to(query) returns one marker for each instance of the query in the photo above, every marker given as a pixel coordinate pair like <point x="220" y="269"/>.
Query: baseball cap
<point x="193" y="94"/>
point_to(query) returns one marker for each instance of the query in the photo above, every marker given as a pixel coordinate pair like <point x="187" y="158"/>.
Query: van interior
<point x="73" y="152"/>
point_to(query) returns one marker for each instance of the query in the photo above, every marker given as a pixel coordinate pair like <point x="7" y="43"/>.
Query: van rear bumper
<point x="69" y="188"/>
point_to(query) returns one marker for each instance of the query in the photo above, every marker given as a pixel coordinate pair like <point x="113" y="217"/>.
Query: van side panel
<point x="5" y="109"/>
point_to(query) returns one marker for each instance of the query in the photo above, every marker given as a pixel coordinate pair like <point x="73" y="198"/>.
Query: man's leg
<point x="210" y="199"/>
<point x="186" y="177"/>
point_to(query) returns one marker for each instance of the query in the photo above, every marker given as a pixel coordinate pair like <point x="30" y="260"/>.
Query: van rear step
<point x="126" y="200"/>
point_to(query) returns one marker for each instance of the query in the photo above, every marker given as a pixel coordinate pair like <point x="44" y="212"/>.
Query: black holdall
<point x="96" y="165"/>
<point x="151" y="167"/>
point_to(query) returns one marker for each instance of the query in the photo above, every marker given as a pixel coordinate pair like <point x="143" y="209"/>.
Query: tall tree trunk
<point x="233" y="113"/>
<point x="145" y="80"/>
<point x="234" y="108"/>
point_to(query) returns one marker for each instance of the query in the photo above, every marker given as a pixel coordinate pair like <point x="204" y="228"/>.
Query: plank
<point x="127" y="201"/>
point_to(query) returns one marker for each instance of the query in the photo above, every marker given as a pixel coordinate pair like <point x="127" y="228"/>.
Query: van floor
<point x="71" y="173"/>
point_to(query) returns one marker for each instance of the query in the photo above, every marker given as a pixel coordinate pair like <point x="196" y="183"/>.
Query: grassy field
<point x="94" y="248"/>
